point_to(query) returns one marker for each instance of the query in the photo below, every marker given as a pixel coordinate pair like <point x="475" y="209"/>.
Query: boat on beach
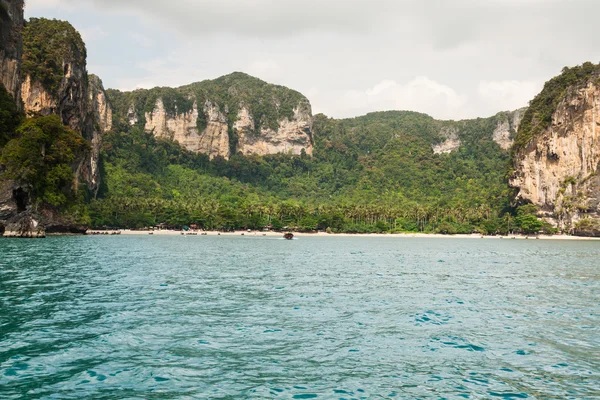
<point x="288" y="236"/>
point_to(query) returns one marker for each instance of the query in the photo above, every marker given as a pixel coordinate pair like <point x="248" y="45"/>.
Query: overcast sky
<point x="451" y="59"/>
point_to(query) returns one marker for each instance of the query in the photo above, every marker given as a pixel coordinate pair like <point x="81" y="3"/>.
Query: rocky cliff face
<point x="66" y="90"/>
<point x="291" y="135"/>
<point x="451" y="141"/>
<point x="558" y="168"/>
<point x="11" y="45"/>
<point x="53" y="80"/>
<point x="501" y="128"/>
<point x="507" y="127"/>
<point x="213" y="140"/>
<point x="233" y="114"/>
<point x="98" y="104"/>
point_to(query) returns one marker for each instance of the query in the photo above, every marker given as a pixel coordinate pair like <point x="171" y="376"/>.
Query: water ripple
<point x="344" y="318"/>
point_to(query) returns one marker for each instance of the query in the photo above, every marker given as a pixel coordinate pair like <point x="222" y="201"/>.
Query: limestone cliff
<point x="292" y="135"/>
<point x="11" y="45"/>
<point x="182" y="127"/>
<point x="451" y="141"/>
<point x="98" y="104"/>
<point x="556" y="158"/>
<point x="61" y="88"/>
<point x="56" y="81"/>
<point x="507" y="127"/>
<point x="501" y="128"/>
<point x="232" y="114"/>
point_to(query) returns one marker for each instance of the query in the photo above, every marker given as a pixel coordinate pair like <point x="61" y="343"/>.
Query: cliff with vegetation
<point x="47" y="158"/>
<point x="557" y="151"/>
<point x="11" y="46"/>
<point x="233" y="114"/>
<point x="239" y="153"/>
<point x="55" y="81"/>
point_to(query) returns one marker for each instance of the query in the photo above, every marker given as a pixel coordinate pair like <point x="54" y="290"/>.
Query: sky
<point x="451" y="59"/>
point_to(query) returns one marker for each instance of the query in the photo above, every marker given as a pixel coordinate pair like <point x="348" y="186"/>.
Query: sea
<point x="228" y="317"/>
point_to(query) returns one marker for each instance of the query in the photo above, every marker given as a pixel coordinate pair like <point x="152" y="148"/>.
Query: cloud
<point x="92" y="33"/>
<point x="449" y="58"/>
<point x="257" y="17"/>
<point x="420" y="94"/>
<point x="508" y="95"/>
<point x="265" y="69"/>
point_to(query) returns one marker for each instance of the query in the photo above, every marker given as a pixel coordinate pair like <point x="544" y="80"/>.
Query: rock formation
<point x="291" y="135"/>
<point x="451" y="141"/>
<point x="501" y="128"/>
<point x="232" y="114"/>
<point x="507" y="127"/>
<point x="557" y="169"/>
<point x="11" y="45"/>
<point x="213" y="140"/>
<point x="53" y="80"/>
<point x="79" y="99"/>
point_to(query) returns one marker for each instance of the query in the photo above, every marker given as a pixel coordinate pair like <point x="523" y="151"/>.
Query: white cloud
<point x="508" y="95"/>
<point x="265" y="69"/>
<point x="141" y="40"/>
<point x="92" y="33"/>
<point x="421" y="94"/>
<point x="471" y="57"/>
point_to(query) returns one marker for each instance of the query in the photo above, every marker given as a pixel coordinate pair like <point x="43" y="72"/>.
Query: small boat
<point x="288" y="236"/>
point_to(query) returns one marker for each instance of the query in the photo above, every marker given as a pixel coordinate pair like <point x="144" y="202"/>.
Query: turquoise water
<point x="154" y="317"/>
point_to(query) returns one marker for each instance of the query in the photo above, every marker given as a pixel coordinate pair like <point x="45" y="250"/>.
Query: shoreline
<point x="130" y="232"/>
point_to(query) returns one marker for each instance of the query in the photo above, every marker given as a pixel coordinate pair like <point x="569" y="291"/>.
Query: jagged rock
<point x="11" y="46"/>
<point x="79" y="99"/>
<point x="451" y="141"/>
<point x="98" y="103"/>
<point x="17" y="218"/>
<point x="291" y="136"/>
<point x="507" y="127"/>
<point x="213" y="140"/>
<point x="216" y="117"/>
<point x="558" y="169"/>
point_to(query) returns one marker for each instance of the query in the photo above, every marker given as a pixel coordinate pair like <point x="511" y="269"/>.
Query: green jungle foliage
<point x="376" y="173"/>
<point x="538" y="116"/>
<point x="41" y="156"/>
<point x="10" y="117"/>
<point x="47" y="44"/>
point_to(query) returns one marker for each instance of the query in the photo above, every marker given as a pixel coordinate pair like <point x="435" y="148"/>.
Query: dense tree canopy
<point x="376" y="173"/>
<point x="41" y="156"/>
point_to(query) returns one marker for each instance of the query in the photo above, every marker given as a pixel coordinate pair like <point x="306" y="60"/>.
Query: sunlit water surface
<point x="154" y="317"/>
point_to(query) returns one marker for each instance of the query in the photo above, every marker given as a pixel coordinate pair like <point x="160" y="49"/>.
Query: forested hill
<point x="237" y="153"/>
<point x="387" y="171"/>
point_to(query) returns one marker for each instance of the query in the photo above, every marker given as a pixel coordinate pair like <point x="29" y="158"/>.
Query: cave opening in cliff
<point x="2" y="229"/>
<point x="21" y="198"/>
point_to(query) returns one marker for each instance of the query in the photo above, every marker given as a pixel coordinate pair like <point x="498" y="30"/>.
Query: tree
<point x="41" y="156"/>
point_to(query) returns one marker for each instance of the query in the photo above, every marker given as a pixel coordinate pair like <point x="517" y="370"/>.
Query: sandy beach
<point x="324" y="234"/>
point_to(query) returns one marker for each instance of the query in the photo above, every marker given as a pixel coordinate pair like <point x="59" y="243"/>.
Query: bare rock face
<point x="292" y="136"/>
<point x="183" y="128"/>
<point x="80" y="100"/>
<point x="98" y="103"/>
<point x="36" y="99"/>
<point x="507" y="127"/>
<point x="70" y="102"/>
<point x="98" y="121"/>
<point x="11" y="45"/>
<point x="17" y="217"/>
<point x="232" y="114"/>
<point x="558" y="170"/>
<point x="451" y="142"/>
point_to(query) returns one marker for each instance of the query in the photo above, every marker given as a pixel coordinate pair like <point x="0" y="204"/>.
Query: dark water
<point x="155" y="317"/>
